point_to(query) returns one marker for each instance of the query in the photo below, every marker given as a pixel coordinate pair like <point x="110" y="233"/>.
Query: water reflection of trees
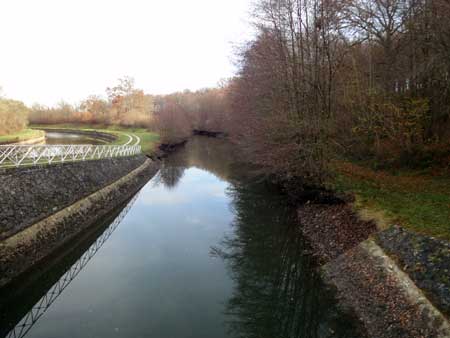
<point x="213" y="155"/>
<point x="170" y="175"/>
<point x="277" y="293"/>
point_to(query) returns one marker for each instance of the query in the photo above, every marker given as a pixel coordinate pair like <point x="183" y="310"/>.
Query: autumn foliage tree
<point x="394" y="85"/>
<point x="172" y="118"/>
<point x="126" y="106"/>
<point x="13" y="116"/>
<point x="177" y="115"/>
<point x="284" y="97"/>
<point x="366" y="79"/>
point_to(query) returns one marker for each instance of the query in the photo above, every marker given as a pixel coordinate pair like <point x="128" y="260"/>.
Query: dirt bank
<point x="332" y="229"/>
<point x="208" y="133"/>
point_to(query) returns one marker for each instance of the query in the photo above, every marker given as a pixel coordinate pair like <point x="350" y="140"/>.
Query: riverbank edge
<point x="339" y="237"/>
<point x="21" y="252"/>
<point x="165" y="149"/>
<point x="39" y="140"/>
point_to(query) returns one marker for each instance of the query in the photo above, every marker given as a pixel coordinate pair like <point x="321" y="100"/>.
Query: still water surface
<point x="52" y="137"/>
<point x="203" y="251"/>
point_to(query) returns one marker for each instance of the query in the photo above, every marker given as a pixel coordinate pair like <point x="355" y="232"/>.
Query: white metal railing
<point x="25" y="155"/>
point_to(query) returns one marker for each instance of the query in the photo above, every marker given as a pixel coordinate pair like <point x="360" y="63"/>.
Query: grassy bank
<point x="148" y="139"/>
<point x="24" y="135"/>
<point x="417" y="201"/>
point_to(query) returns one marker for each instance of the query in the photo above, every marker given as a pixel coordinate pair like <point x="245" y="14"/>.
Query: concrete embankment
<point x="43" y="208"/>
<point x="394" y="281"/>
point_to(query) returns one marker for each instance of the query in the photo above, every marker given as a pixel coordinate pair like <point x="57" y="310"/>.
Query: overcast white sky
<point x="69" y="49"/>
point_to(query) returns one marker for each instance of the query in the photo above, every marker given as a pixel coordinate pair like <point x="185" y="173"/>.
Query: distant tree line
<point x="174" y="116"/>
<point x="125" y="105"/>
<point x="178" y="114"/>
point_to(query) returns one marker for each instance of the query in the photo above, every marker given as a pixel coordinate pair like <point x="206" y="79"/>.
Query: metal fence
<point x="25" y="155"/>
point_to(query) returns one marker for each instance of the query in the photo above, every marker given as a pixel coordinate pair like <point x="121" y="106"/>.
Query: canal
<point x="206" y="249"/>
<point x="53" y="137"/>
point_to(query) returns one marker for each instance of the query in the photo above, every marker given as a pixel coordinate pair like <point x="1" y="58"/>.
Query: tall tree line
<point x="368" y="79"/>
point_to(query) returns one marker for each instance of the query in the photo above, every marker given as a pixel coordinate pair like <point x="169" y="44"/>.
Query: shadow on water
<point x="278" y="292"/>
<point x="277" y="288"/>
<point x="26" y="300"/>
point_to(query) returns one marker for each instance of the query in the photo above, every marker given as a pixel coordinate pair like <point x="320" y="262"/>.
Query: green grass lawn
<point x="416" y="201"/>
<point x="24" y="135"/>
<point x="148" y="139"/>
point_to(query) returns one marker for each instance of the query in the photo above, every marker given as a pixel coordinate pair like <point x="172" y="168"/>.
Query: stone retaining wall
<point x="23" y="250"/>
<point x="28" y="195"/>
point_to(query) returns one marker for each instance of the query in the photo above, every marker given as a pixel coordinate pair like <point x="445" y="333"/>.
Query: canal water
<point x="206" y="249"/>
<point x="52" y="137"/>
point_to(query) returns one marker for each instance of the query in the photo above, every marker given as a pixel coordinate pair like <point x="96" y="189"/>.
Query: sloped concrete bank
<point x="49" y="219"/>
<point x="394" y="281"/>
<point x="28" y="195"/>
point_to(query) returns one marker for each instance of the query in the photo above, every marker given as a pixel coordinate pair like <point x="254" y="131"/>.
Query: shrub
<point x="13" y="116"/>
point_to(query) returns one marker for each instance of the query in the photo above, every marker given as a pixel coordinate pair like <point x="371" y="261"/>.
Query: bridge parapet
<point x="26" y="155"/>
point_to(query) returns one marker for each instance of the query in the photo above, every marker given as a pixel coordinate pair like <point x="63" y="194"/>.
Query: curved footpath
<point x="43" y="207"/>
